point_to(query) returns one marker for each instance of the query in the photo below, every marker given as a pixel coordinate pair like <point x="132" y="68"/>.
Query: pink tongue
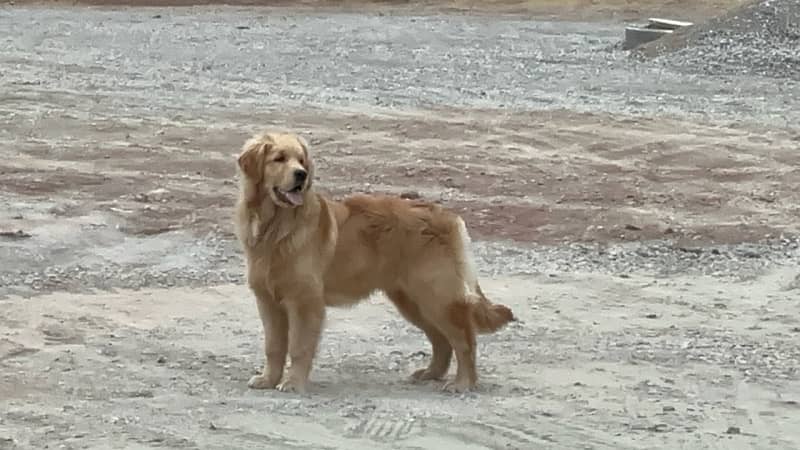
<point x="294" y="197"/>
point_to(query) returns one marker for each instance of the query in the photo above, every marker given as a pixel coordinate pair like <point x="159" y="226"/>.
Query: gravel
<point x="655" y="258"/>
<point x="759" y="38"/>
<point x="201" y="60"/>
<point x="215" y="260"/>
<point x="170" y="260"/>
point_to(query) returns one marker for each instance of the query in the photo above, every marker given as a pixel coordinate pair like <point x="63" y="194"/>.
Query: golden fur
<point x="305" y="252"/>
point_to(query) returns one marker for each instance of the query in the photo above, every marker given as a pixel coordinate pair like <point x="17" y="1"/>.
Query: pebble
<point x="659" y="428"/>
<point x="733" y="430"/>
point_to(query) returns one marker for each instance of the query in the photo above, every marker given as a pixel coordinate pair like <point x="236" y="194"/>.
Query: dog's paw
<point x="261" y="382"/>
<point x="458" y="387"/>
<point x="426" y="375"/>
<point x="292" y="386"/>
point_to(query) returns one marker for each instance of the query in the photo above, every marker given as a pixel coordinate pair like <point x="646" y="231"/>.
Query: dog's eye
<point x="280" y="158"/>
<point x="302" y="161"/>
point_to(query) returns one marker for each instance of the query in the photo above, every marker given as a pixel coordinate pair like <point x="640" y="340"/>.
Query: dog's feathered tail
<point x="489" y="317"/>
<point x="486" y="316"/>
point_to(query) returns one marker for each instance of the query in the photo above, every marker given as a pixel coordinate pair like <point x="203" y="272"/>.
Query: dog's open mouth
<point x="293" y="196"/>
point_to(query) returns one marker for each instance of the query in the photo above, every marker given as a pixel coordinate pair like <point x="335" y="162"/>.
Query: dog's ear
<point x="251" y="159"/>
<point x="309" y="164"/>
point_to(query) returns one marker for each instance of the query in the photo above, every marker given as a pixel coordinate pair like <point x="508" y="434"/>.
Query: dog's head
<point x="277" y="164"/>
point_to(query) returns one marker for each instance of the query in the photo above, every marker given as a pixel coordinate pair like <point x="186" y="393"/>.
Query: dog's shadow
<point x="375" y="385"/>
<point x="393" y="385"/>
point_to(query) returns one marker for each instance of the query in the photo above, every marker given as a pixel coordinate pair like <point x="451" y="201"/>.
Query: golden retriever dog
<point x="305" y="252"/>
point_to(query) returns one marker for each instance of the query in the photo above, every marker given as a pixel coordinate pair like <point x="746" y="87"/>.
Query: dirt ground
<point x="597" y="362"/>
<point x="640" y="222"/>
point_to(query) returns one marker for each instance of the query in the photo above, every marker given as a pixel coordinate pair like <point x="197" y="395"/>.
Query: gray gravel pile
<point x="761" y="37"/>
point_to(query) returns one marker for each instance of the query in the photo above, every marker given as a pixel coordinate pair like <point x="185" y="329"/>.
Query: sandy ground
<point x="642" y="224"/>
<point x="597" y="362"/>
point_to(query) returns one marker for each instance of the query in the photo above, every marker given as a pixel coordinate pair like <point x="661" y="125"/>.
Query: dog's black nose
<point x="300" y="175"/>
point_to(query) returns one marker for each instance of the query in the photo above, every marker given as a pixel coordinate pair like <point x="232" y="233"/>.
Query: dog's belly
<point x="346" y="292"/>
<point x="341" y="300"/>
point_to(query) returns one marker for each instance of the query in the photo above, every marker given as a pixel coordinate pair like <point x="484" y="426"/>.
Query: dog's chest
<point x="268" y="273"/>
<point x="259" y="273"/>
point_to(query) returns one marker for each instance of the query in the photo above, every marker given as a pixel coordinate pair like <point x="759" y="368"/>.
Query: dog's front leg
<point x="276" y="343"/>
<point x="306" y="316"/>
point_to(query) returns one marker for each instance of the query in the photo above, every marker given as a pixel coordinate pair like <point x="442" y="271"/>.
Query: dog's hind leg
<point x="454" y="322"/>
<point x="441" y="349"/>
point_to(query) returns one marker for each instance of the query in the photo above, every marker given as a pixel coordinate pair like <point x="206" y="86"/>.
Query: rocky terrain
<point x="639" y="217"/>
